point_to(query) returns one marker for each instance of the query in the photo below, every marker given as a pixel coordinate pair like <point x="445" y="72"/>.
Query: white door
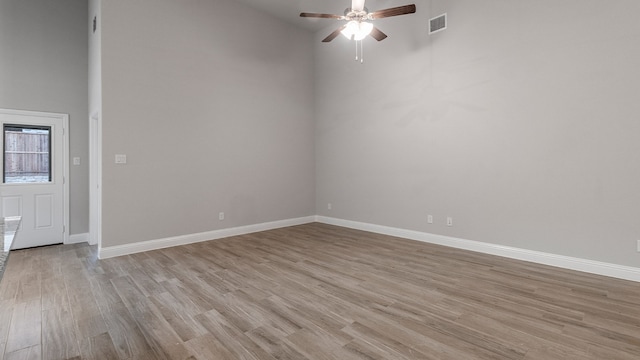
<point x="33" y="175"/>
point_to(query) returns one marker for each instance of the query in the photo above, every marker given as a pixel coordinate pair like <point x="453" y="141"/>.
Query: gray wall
<point x="520" y="121"/>
<point x="212" y="102"/>
<point x="43" y="67"/>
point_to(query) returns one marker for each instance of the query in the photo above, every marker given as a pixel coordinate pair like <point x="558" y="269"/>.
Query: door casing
<point x="95" y="176"/>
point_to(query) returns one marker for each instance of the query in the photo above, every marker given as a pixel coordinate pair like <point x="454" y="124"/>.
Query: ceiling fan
<point x="358" y="17"/>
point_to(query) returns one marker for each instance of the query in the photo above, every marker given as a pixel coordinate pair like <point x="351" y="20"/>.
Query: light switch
<point x="76" y="161"/>
<point x="121" y="159"/>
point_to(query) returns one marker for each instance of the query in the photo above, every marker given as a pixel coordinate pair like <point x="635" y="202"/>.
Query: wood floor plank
<point x="232" y="338"/>
<point x="98" y="347"/>
<point x="30" y="353"/>
<point x="241" y="303"/>
<point x="555" y="353"/>
<point x="128" y="340"/>
<point x="9" y="283"/>
<point x="128" y="291"/>
<point x="157" y="331"/>
<point x="54" y="294"/>
<point x="26" y="326"/>
<point x="208" y="347"/>
<point x="145" y="283"/>
<point x="6" y="312"/>
<point x="273" y="344"/>
<point x="29" y="287"/>
<point x="317" y="344"/>
<point x="103" y="291"/>
<point x="606" y="338"/>
<point x="59" y="336"/>
<point x="312" y="291"/>
<point x="194" y="300"/>
<point x="86" y="313"/>
<point x="179" y="317"/>
<point x="383" y="344"/>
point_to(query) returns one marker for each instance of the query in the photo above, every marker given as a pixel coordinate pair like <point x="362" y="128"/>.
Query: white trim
<point x="78" y="238"/>
<point x="561" y="261"/>
<point x="67" y="177"/>
<point x="113" y="251"/>
<point x="95" y="178"/>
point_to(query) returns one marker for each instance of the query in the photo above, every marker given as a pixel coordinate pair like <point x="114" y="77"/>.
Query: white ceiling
<point x="289" y="10"/>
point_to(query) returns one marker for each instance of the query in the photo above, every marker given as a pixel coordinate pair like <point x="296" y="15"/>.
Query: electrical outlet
<point x="221" y="216"/>
<point x="429" y="219"/>
<point x="638" y="245"/>
<point x="449" y="221"/>
<point x="329" y="206"/>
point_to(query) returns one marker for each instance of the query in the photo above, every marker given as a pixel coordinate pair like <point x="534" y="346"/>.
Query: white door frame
<point x="64" y="118"/>
<point x="95" y="176"/>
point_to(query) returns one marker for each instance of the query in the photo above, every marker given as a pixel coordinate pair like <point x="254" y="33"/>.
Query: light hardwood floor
<point x="309" y="292"/>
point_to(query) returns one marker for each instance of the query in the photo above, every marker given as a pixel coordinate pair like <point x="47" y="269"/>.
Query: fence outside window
<point x="27" y="155"/>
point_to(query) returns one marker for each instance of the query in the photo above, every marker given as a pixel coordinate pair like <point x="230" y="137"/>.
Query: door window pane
<point x="27" y="154"/>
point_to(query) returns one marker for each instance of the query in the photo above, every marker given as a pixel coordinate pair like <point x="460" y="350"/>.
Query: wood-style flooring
<point x="309" y="292"/>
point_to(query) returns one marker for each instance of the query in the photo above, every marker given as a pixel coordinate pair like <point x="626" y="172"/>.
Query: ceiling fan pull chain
<point x="361" y="52"/>
<point x="356" y="41"/>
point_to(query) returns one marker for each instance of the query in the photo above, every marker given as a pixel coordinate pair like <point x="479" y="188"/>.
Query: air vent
<point x="437" y="24"/>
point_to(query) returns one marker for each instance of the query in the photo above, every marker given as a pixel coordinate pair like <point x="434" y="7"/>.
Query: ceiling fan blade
<point x="334" y="34"/>
<point x="324" y="16"/>
<point x="377" y="34"/>
<point x="357" y="5"/>
<point x="400" y="10"/>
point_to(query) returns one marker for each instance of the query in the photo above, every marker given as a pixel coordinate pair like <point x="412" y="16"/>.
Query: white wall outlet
<point x="449" y="221"/>
<point x="121" y="159"/>
<point x="329" y="206"/>
<point x="76" y="161"/>
<point x="221" y="216"/>
<point x="429" y="219"/>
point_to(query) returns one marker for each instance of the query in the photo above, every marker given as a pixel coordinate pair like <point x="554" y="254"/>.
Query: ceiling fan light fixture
<point x="357" y="30"/>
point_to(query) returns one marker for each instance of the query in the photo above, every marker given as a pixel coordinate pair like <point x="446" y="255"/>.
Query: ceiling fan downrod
<point x="361" y="58"/>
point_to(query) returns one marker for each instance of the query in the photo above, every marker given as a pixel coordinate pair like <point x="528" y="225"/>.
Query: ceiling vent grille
<point x="437" y="24"/>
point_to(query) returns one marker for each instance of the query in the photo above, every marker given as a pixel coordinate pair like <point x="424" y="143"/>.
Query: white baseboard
<point x="78" y="238"/>
<point x="561" y="261"/>
<point x="113" y="251"/>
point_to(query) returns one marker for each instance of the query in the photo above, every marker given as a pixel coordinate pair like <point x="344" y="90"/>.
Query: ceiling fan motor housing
<point x="356" y="15"/>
